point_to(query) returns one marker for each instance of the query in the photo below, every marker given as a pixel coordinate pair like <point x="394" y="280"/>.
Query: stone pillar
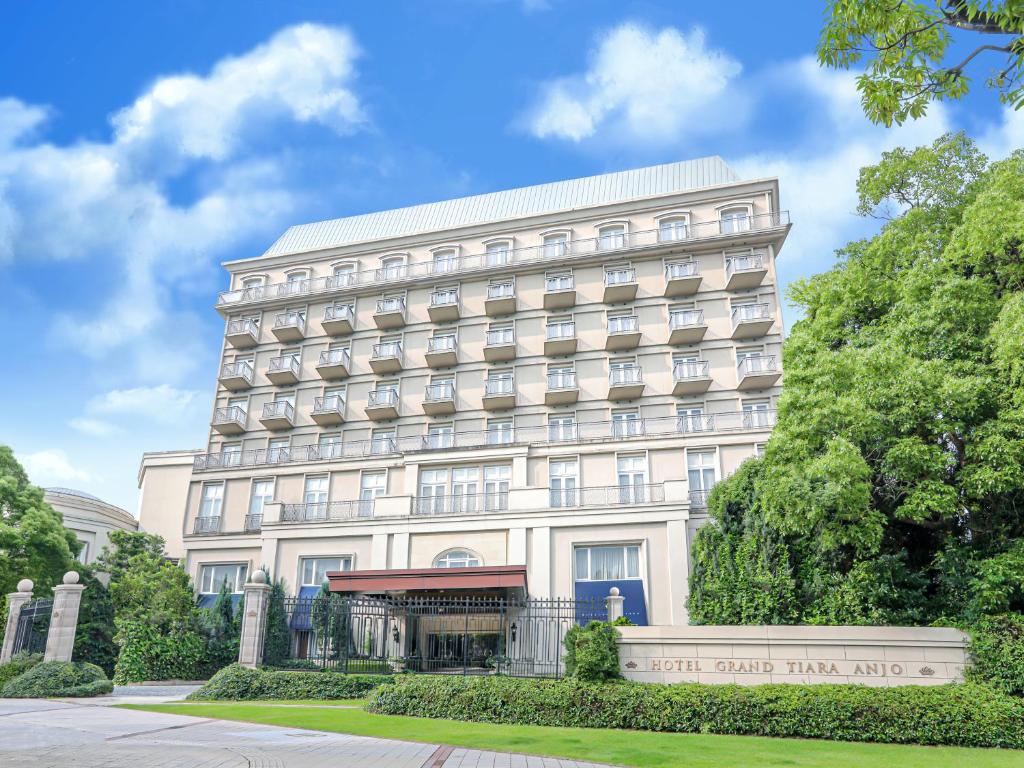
<point x="614" y="603"/>
<point x="14" y="602"/>
<point x="256" y="594"/>
<point x="60" y="640"/>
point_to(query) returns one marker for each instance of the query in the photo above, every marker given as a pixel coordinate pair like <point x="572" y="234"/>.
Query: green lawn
<point x="628" y="748"/>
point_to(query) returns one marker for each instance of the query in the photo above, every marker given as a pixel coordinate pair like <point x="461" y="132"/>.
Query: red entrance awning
<point x="496" y="577"/>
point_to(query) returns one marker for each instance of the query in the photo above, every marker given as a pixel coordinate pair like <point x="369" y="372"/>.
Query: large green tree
<point x="916" y="52"/>
<point x="892" y="490"/>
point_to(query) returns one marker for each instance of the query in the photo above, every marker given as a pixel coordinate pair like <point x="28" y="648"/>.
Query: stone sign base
<point x="752" y="655"/>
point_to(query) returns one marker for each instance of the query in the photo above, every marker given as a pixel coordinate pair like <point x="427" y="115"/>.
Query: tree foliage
<point x="910" y="53"/>
<point x="892" y="490"/>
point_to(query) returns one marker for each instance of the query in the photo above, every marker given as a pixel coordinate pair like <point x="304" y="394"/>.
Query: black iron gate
<point x="33" y="626"/>
<point x="438" y="635"/>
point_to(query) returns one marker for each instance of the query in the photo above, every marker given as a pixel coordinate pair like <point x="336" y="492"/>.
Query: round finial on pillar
<point x="259" y="577"/>
<point x="614" y="591"/>
<point x="71" y="577"/>
<point x="26" y="585"/>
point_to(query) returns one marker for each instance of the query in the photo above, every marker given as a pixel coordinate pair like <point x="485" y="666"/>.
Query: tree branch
<point x="956" y="17"/>
<point x="958" y="69"/>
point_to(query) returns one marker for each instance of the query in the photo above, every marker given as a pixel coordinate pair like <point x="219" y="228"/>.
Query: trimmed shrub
<point x="997" y="648"/>
<point x="591" y="652"/>
<point x="963" y="715"/>
<point x="19" y="664"/>
<point x="149" y="654"/>
<point x="58" y="678"/>
<point x="238" y="683"/>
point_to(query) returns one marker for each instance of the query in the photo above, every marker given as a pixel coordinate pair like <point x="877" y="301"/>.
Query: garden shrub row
<point x="238" y="683"/>
<point x="957" y="714"/>
<point x="58" y="678"/>
<point x="19" y="664"/>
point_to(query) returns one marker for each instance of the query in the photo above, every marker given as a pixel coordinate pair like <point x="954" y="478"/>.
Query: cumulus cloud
<point x="641" y="84"/>
<point x="52" y="467"/>
<point x="161" y="403"/>
<point x="93" y="427"/>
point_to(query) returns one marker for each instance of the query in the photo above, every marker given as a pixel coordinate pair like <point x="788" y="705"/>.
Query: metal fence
<point x="33" y="626"/>
<point x="432" y="635"/>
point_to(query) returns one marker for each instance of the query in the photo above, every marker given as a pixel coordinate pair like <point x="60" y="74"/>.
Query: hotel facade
<point x="544" y="381"/>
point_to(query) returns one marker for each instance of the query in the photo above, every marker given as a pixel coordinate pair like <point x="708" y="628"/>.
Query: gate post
<point x="60" y="640"/>
<point x="256" y="594"/>
<point x="615" y="604"/>
<point x="14" y="602"/>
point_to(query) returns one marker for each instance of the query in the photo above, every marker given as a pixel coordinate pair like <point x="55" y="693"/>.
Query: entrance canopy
<point x="507" y="579"/>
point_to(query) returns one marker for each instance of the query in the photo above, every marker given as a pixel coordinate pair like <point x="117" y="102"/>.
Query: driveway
<point x="86" y="734"/>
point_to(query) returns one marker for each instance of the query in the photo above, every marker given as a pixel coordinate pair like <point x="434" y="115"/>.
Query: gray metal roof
<point x="509" y="204"/>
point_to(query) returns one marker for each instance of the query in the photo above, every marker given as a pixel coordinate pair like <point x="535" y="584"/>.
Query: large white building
<point x="549" y="378"/>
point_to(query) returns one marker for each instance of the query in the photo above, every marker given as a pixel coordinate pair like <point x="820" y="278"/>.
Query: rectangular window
<point x="433" y="490"/>
<point x="315" y="569"/>
<point x="497" y="481"/>
<point x="700" y="467"/>
<point x="261" y="495"/>
<point x="499" y="432"/>
<point x="562" y="428"/>
<point x="315" y="491"/>
<point x="627" y="423"/>
<point x="382" y="441"/>
<point x="755" y="413"/>
<point x="563" y="482"/>
<point x="372" y="485"/>
<point x="556" y="245"/>
<point x="211" y="577"/>
<point x="498" y="254"/>
<point x="632" y="478"/>
<point x="212" y="500"/>
<point x="277" y="450"/>
<point x="691" y="418"/>
<point x="608" y="563"/>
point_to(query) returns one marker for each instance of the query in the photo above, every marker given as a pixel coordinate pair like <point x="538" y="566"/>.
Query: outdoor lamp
<point x="513" y="628"/>
<point x="394" y="633"/>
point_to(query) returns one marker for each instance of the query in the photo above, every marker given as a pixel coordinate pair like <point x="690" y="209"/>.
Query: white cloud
<point x="52" y="467"/>
<point x="642" y="85"/>
<point x="93" y="427"/>
<point x="161" y="403"/>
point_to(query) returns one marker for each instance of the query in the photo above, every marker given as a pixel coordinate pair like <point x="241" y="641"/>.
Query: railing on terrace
<point x="560" y="331"/>
<point x="436" y="393"/>
<point x="501" y="337"/>
<point x="461" y="504"/>
<point x="334" y="357"/>
<point x="699" y="499"/>
<point x="560" y="283"/>
<point x="557" y="381"/>
<point x="253" y="523"/>
<point x="441" y="344"/>
<point x="681" y="269"/>
<point x="685" y="318"/>
<point x="385" y="306"/>
<point x="619" y="276"/>
<point x="748" y="312"/>
<point x="746" y="263"/>
<point x="285" y="363"/>
<point x="754" y="365"/>
<point x="502" y="386"/>
<point x="340" y="312"/>
<point x="619" y="376"/>
<point x="326" y="510"/>
<point x="581" y="432"/>
<point x="329" y="404"/>
<point x="279" y="408"/>
<point x="229" y="414"/>
<point x="242" y="368"/>
<point x="386" y="351"/>
<point x="246" y="325"/>
<point x="206" y="524"/>
<point x="691" y="369"/>
<point x="377" y="398"/>
<point x="623" y="324"/>
<point x="290" y="320"/>
<point x="444" y="298"/>
<point x="501" y="290"/>
<point x="632" y="494"/>
<point x="529" y="255"/>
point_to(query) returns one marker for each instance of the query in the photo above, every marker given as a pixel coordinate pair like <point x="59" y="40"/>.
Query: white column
<point x="516" y="546"/>
<point x="539" y="572"/>
<point x="678" y="573"/>
<point x="60" y="640"/>
<point x="379" y="551"/>
<point x="400" y="550"/>
<point x="15" y="600"/>
<point x="256" y="596"/>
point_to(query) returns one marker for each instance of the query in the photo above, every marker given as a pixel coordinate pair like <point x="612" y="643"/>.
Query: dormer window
<point x="735" y="220"/>
<point x="344" y="274"/>
<point x="612" y="237"/>
<point x="297" y="282"/>
<point x="671" y="229"/>
<point x="499" y="254"/>
<point x="391" y="268"/>
<point x="556" y="245"/>
<point x="445" y="261"/>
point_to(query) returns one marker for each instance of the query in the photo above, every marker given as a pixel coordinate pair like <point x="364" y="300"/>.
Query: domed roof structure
<point x="73" y="492"/>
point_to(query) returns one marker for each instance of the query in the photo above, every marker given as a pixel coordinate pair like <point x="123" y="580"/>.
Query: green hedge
<point x="238" y="683"/>
<point x="592" y="652"/>
<point x="997" y="651"/>
<point x="148" y="654"/>
<point x="58" y="678"/>
<point x="965" y="715"/>
<point x="19" y="664"/>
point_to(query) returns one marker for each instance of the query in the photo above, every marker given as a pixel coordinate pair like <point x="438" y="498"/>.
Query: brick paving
<point x="48" y="734"/>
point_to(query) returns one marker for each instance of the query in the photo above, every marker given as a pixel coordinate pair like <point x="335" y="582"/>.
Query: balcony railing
<point x="329" y="404"/>
<point x="691" y="369"/>
<point x="753" y="261"/>
<point x="387" y="350"/>
<point x="286" y="363"/>
<point x="341" y="312"/>
<point x="502" y="386"/>
<point x="441" y="344"/>
<point x="622" y="376"/>
<point x="501" y="290"/>
<point x="681" y="269"/>
<point x="461" y="504"/>
<point x="563" y="283"/>
<point x="750" y="312"/>
<point x="334" y="357"/>
<point x="685" y="318"/>
<point x="230" y="414"/>
<point x="246" y="325"/>
<point x="625" y="324"/>
<point x="477" y="262"/>
<point x="326" y="510"/>
<point x="253" y="523"/>
<point x="754" y="365"/>
<point x="385" y="306"/>
<point x="290" y="320"/>
<point x="612" y="495"/>
<point x="444" y="298"/>
<point x="436" y="393"/>
<point x="501" y="338"/>
<point x="206" y="524"/>
<point x="241" y="368"/>
<point x="619" y="276"/>
<point x="699" y="499"/>
<point x="561" y="331"/>
<point x="278" y="409"/>
<point x="581" y="432"/>
<point x="557" y="381"/>
<point x="380" y="398"/>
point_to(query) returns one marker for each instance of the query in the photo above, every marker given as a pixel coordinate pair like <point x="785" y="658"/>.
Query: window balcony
<point x="623" y="333"/>
<point x="560" y="339"/>
<point x="442" y="351"/>
<point x="322" y="511"/>
<point x="757" y="372"/>
<point x="389" y="313"/>
<point x="236" y="376"/>
<point x="283" y="370"/>
<point x="206" y="524"/>
<point x="499" y="394"/>
<point x="562" y="389"/>
<point x="625" y="383"/>
<point x="500" y="346"/>
<point x="439" y="399"/>
<point x="278" y="415"/>
<point x="329" y="410"/>
<point x="242" y="334"/>
<point x="253" y="523"/>
<point x="501" y="299"/>
<point x="289" y="326"/>
<point x="382" y="405"/>
<point x="751" y="320"/>
<point x="686" y="326"/>
<point x="745" y="271"/>
<point x="386" y="357"/>
<point x="559" y="292"/>
<point x="699" y="499"/>
<point x="444" y="306"/>
<point x="460" y="504"/>
<point x="682" y="279"/>
<point x="339" y="321"/>
<point x="619" y="285"/>
<point x="229" y="420"/>
<point x="691" y="377"/>
<point x="334" y="364"/>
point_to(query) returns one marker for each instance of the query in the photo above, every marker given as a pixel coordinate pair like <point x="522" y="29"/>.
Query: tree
<point x="892" y="489"/>
<point x="277" y="643"/>
<point x="910" y="50"/>
<point x="125" y="545"/>
<point x="221" y="629"/>
<point x="94" y="638"/>
<point x="34" y="543"/>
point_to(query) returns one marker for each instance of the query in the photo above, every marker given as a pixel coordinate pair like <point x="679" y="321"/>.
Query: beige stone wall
<point x="752" y="655"/>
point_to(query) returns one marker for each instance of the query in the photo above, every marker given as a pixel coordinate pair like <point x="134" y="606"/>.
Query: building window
<point x="211" y="577"/>
<point x="440" y="436"/>
<point x="371" y="485"/>
<point x="608" y="563"/>
<point x="391" y="268"/>
<point x="672" y="229"/>
<point x="382" y="441"/>
<point x="241" y="403"/>
<point x="497" y="482"/>
<point x="499" y="254"/>
<point x="562" y="428"/>
<point x="329" y="446"/>
<point x="563" y="481"/>
<point x="457" y="558"/>
<point x="262" y="494"/>
<point x="212" y="500"/>
<point x="315" y="569"/>
<point x="700" y="471"/>
<point x="627" y="423"/>
<point x="690" y="418"/>
<point x="344" y="274"/>
<point x="735" y="220"/>
<point x="499" y="432"/>
<point x="556" y="245"/>
<point x="755" y="413"/>
<point x="277" y="450"/>
<point x="231" y="454"/>
<point x="315" y="490"/>
<point x="445" y="261"/>
<point x="83" y="552"/>
<point x="632" y="478"/>
<point x="612" y="237"/>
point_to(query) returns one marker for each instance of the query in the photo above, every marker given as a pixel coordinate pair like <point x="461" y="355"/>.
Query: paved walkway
<point x="86" y="734"/>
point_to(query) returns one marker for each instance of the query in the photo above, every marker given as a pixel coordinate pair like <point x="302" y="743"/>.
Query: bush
<point x="960" y="714"/>
<point x="58" y="678"/>
<point x="238" y="683"/>
<point x="149" y="654"/>
<point x="19" y="664"/>
<point x="997" y="648"/>
<point x="591" y="653"/>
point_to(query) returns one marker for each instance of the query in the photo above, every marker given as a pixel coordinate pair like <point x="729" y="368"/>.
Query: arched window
<point x="612" y="237"/>
<point x="457" y="558"/>
<point x="671" y="229"/>
<point x="343" y="274"/>
<point x="735" y="220"/>
<point x="445" y="261"/>
<point x="391" y="268"/>
<point x="297" y="282"/>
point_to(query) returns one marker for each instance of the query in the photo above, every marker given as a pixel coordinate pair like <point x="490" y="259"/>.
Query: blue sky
<point x="141" y="144"/>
